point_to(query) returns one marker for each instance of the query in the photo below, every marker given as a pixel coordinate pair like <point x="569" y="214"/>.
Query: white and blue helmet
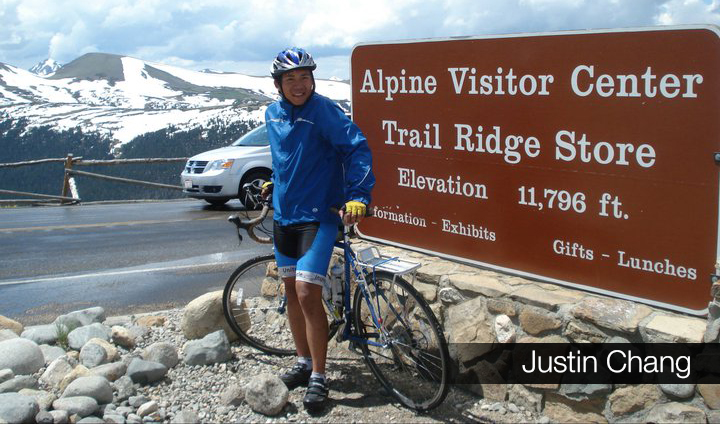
<point x="291" y="59"/>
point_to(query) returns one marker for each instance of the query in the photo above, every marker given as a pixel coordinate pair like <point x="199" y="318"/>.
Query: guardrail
<point x="69" y="194"/>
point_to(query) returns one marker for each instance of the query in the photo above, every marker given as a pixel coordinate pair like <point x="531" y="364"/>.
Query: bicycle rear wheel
<point x="255" y="306"/>
<point x="413" y="364"/>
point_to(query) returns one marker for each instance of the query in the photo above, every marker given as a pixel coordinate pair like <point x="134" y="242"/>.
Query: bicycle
<point x="388" y="320"/>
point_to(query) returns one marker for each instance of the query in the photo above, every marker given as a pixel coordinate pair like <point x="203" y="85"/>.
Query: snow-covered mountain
<point x="124" y="97"/>
<point x="46" y="68"/>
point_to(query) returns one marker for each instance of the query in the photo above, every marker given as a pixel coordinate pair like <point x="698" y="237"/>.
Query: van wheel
<point x="250" y="196"/>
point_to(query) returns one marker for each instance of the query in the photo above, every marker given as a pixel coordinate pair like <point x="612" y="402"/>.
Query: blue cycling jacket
<point x="320" y="160"/>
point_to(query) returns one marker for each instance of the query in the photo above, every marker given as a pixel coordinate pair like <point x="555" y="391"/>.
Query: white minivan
<point x="219" y="175"/>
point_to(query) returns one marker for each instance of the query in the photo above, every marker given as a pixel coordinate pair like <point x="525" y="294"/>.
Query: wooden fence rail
<point x="69" y="194"/>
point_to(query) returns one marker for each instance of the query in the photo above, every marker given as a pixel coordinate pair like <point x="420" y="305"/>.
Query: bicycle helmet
<point x="291" y="59"/>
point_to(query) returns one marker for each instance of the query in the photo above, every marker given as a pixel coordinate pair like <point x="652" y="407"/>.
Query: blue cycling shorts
<point x="303" y="251"/>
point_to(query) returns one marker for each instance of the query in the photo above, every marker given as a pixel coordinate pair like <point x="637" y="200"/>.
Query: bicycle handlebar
<point x="249" y="225"/>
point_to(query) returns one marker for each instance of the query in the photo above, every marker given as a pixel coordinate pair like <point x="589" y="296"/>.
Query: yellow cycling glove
<point x="355" y="208"/>
<point x="267" y="188"/>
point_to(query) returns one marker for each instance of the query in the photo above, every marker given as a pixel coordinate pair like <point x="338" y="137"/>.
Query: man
<point x="321" y="160"/>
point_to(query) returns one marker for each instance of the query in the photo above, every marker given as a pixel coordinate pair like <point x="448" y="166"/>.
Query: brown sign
<point x="579" y="158"/>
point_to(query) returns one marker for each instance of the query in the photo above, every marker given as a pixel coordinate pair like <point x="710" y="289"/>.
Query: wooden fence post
<point x="66" y="177"/>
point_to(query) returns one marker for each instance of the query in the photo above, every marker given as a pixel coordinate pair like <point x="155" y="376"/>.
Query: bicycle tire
<point x="414" y="365"/>
<point x="260" y="319"/>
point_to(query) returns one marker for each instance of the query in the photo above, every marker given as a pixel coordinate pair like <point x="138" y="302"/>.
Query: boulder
<point x="43" y="398"/>
<point x="16" y="408"/>
<point x="6" y="334"/>
<point x="211" y="349"/>
<point x="80" y="405"/>
<point x="51" y="353"/>
<point x="22" y="356"/>
<point x="675" y="412"/>
<point x="111" y="371"/>
<point x="124" y="388"/>
<point x="77" y="372"/>
<point x="121" y="336"/>
<point x="162" y="352"/>
<point x="204" y="315"/>
<point x="144" y="372"/>
<point x="6" y="374"/>
<point x="151" y="321"/>
<point x="44" y="334"/>
<point x="95" y="387"/>
<point x="92" y="355"/>
<point x="81" y="335"/>
<point x="82" y="317"/>
<point x="56" y="371"/>
<point x="10" y="324"/>
<point x="267" y="394"/>
<point x="18" y="383"/>
<point x="233" y="395"/>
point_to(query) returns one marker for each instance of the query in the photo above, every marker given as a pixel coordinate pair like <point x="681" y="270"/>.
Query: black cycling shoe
<point x="316" y="395"/>
<point x="297" y="376"/>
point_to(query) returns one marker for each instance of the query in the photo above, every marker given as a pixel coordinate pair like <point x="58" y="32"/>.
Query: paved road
<point x="130" y="257"/>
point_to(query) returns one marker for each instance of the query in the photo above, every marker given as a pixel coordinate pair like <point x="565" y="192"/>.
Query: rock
<point x="16" y="408"/>
<point x="185" y="417"/>
<point x="162" y="352"/>
<point x="504" y="329"/>
<point x="44" y="334"/>
<point x="82" y="317"/>
<point x="613" y="314"/>
<point x="143" y="372"/>
<point x="18" y="383"/>
<point x="710" y="394"/>
<point x="470" y="329"/>
<point x="675" y="412"/>
<point x="213" y="348"/>
<point x="581" y="332"/>
<point x="124" y="388"/>
<point x="10" y="324"/>
<point x="266" y="394"/>
<point x="521" y="396"/>
<point x="234" y="395"/>
<point x="121" y="336"/>
<point x="111" y="371"/>
<point x="77" y="372"/>
<point x="91" y="420"/>
<point x="540" y="297"/>
<point x="79" y="336"/>
<point x="681" y="391"/>
<point x="92" y="355"/>
<point x="535" y="320"/>
<point x="95" y="387"/>
<point x="151" y="321"/>
<point x="450" y="295"/>
<point x="428" y="291"/>
<point x="147" y="408"/>
<point x="204" y="315"/>
<point x="673" y="329"/>
<point x="501" y="307"/>
<point x="44" y="399"/>
<point x="137" y="401"/>
<point x="627" y="400"/>
<point x="110" y="349"/>
<point x="22" y="356"/>
<point x="564" y="410"/>
<point x="51" y="353"/>
<point x="60" y="416"/>
<point x="6" y="334"/>
<point x="56" y="371"/>
<point x="80" y="405"/>
<point x="114" y="419"/>
<point x="6" y="374"/>
<point x="585" y="390"/>
<point x="44" y="417"/>
<point x="479" y="284"/>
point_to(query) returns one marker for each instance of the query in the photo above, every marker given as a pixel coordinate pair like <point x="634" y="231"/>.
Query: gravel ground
<point x="355" y="394"/>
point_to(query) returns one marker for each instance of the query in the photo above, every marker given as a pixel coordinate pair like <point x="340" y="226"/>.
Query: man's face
<point x="297" y="86"/>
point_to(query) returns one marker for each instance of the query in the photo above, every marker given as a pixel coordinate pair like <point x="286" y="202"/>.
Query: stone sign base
<point x="483" y="307"/>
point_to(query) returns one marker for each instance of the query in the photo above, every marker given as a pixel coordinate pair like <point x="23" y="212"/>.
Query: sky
<point x="245" y="35"/>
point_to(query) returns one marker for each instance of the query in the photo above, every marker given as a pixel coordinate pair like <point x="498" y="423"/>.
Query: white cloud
<point x="244" y="36"/>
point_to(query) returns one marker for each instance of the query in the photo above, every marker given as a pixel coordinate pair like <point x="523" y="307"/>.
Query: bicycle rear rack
<point x="370" y="257"/>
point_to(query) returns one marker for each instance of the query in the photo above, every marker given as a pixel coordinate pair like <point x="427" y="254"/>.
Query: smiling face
<point x="297" y="86"/>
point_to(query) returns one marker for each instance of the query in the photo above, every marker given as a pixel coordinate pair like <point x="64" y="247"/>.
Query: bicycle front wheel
<point x="412" y="361"/>
<point x="255" y="306"/>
